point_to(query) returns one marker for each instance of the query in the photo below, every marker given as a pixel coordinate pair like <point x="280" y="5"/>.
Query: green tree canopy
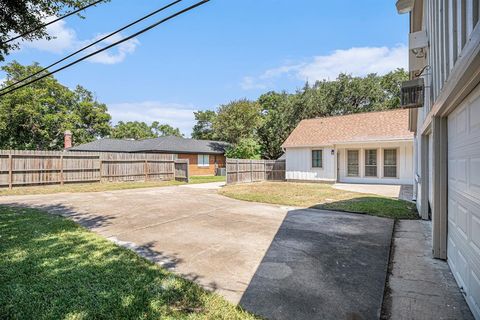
<point x="236" y="120"/>
<point x="140" y="130"/>
<point x="245" y="148"/>
<point x="18" y="17"/>
<point x="36" y="117"/>
<point x="203" y="129"/>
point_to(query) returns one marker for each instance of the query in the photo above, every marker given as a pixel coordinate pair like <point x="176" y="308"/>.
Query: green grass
<point x="206" y="179"/>
<point x="321" y="196"/>
<point x="51" y="268"/>
<point x="106" y="186"/>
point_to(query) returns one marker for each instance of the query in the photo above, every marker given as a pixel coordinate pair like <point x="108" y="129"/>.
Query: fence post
<point x="238" y="170"/>
<point x="10" y="170"/>
<point x="251" y="170"/>
<point x="188" y="171"/>
<point x="61" y="170"/>
<point x="145" y="169"/>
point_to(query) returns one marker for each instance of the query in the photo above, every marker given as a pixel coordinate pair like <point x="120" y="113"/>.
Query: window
<point x="390" y="163"/>
<point x="352" y="163"/>
<point x="203" y="160"/>
<point x="370" y="163"/>
<point x="317" y="161"/>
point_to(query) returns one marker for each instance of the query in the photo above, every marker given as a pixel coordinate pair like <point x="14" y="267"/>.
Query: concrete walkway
<point x="278" y="262"/>
<point x="404" y="192"/>
<point x="420" y="287"/>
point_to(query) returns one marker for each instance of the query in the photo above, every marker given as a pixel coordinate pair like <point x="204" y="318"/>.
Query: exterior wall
<point x="299" y="164"/>
<point x="404" y="163"/>
<point x="196" y="170"/>
<point x="452" y="72"/>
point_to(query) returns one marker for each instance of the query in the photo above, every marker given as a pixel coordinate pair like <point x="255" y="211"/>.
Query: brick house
<point x="205" y="156"/>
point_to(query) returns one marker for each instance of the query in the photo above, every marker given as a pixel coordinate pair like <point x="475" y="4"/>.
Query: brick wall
<point x="195" y="170"/>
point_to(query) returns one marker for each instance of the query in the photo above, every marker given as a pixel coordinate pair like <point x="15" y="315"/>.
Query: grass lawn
<point x="206" y="179"/>
<point x="321" y="196"/>
<point x="51" y="268"/>
<point x="106" y="186"/>
<point x="86" y="187"/>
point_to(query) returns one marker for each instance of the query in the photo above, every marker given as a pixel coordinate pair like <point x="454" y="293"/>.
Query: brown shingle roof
<point x="359" y="127"/>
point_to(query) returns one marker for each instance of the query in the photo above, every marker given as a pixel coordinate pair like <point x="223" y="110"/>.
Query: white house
<point x="444" y="49"/>
<point x="373" y="147"/>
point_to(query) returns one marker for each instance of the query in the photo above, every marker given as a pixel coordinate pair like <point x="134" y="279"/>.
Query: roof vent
<point x="412" y="93"/>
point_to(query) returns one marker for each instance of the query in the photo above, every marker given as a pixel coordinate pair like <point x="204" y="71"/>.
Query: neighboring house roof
<point x="163" y="144"/>
<point x="359" y="127"/>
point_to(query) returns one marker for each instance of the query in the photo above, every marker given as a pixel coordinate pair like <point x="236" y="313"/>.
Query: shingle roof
<point x="359" y="127"/>
<point x="162" y="144"/>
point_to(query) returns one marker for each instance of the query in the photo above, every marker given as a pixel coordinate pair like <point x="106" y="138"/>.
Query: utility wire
<point x="92" y="44"/>
<point x="109" y="46"/>
<point x="53" y="21"/>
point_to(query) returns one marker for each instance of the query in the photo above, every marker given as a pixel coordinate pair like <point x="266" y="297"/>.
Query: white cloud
<point x="176" y="115"/>
<point x="65" y="40"/>
<point x="355" y="61"/>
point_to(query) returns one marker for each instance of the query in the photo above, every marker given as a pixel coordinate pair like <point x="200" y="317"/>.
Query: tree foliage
<point x="246" y="148"/>
<point x="237" y="120"/>
<point x="272" y="118"/>
<point x="140" y="130"/>
<point x="36" y="117"/>
<point x="203" y="129"/>
<point x="18" y="17"/>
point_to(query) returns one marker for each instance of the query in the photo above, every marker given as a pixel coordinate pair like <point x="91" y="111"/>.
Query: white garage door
<point x="464" y="198"/>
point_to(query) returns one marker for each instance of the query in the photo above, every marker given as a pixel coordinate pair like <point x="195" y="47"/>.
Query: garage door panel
<point x="475" y="235"/>
<point x="474" y="297"/>
<point x="463" y="243"/>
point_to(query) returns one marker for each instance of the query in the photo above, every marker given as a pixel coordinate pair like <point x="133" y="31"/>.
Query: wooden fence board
<point x="23" y="168"/>
<point x="244" y="171"/>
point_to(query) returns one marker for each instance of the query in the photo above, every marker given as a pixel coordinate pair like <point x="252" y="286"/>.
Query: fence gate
<point x="244" y="171"/>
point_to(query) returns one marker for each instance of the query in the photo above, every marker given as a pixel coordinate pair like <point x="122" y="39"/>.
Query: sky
<point x="222" y="51"/>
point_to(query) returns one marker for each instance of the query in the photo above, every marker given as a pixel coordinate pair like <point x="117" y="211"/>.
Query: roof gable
<point x="359" y="127"/>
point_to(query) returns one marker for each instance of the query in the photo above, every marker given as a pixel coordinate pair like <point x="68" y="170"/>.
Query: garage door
<point x="463" y="248"/>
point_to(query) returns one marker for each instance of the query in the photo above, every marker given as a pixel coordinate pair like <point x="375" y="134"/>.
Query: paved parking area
<point x="278" y="262"/>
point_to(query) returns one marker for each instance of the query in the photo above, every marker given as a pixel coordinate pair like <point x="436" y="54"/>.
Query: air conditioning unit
<point x="412" y="93"/>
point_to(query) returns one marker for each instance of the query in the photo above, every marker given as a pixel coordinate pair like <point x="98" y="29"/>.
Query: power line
<point x="53" y="21"/>
<point x="93" y="43"/>
<point x="109" y="46"/>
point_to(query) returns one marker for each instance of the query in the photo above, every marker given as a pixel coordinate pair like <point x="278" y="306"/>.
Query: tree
<point x="18" y="17"/>
<point x="164" y="130"/>
<point x="36" y="117"/>
<point x="203" y="129"/>
<point x="246" y="148"/>
<point x="237" y="120"/>
<point x="140" y="130"/>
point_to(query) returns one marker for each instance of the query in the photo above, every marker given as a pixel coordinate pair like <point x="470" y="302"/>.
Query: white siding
<point x="299" y="164"/>
<point x="404" y="163"/>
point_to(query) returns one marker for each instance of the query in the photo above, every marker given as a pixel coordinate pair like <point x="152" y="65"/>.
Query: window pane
<point x="390" y="163"/>
<point x="317" y="158"/>
<point x="370" y="163"/>
<point x="352" y="163"/>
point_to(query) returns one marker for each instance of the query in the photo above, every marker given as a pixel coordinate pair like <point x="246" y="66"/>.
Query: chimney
<point x="67" y="139"/>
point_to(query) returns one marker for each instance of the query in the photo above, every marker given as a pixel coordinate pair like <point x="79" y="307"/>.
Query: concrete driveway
<point x="278" y="262"/>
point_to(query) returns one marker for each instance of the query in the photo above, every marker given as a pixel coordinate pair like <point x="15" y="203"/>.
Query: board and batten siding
<point x="299" y="164"/>
<point x="404" y="163"/>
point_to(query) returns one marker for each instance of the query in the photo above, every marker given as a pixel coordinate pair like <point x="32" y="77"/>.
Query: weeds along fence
<point x="28" y="168"/>
<point x="244" y="171"/>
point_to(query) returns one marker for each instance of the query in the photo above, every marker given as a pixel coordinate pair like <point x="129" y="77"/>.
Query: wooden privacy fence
<point x="242" y="171"/>
<point x="23" y="168"/>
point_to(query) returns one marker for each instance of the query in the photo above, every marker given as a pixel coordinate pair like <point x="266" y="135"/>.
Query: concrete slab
<point x="420" y="287"/>
<point x="404" y="192"/>
<point x="280" y="262"/>
<point x="323" y="265"/>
